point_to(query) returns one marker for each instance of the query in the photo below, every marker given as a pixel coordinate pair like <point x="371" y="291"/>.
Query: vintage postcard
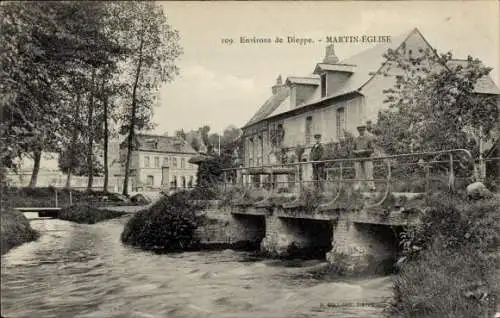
<point x="265" y="159"/>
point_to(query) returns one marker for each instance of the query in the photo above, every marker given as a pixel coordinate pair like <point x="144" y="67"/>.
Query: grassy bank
<point x="87" y="214"/>
<point x="15" y="230"/>
<point x="450" y="264"/>
<point x="46" y="197"/>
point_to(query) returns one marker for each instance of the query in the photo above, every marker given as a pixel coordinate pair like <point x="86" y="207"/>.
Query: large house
<point x="337" y="97"/>
<point x="159" y="162"/>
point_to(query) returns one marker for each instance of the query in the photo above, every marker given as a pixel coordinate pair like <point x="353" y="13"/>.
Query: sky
<point x="224" y="84"/>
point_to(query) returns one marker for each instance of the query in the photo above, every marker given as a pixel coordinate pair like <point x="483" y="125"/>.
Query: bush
<point x="15" y="230"/>
<point x="445" y="283"/>
<point x="167" y="225"/>
<point x="449" y="261"/>
<point x="87" y="214"/>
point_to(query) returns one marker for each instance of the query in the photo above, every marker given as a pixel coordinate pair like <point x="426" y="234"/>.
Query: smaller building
<point x="159" y="163"/>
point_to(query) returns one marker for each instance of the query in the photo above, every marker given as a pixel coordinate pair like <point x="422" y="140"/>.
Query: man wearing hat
<point x="363" y="148"/>
<point x="318" y="167"/>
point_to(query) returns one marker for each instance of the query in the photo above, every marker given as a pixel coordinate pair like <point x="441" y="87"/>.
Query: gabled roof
<point x="282" y="93"/>
<point x="370" y="61"/>
<point x="159" y="143"/>
<point x="362" y="64"/>
<point x="362" y="68"/>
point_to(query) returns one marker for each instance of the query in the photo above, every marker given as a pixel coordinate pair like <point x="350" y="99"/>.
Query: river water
<point x="76" y="270"/>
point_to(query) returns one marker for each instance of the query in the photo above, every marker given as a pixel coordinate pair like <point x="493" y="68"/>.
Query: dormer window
<point x="323" y="85"/>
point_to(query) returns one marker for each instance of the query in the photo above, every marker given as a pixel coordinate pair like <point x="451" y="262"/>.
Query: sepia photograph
<point x="250" y="159"/>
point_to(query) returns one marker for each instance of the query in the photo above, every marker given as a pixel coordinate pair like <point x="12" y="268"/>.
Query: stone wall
<point x="363" y="248"/>
<point x="289" y="236"/>
<point x="220" y="227"/>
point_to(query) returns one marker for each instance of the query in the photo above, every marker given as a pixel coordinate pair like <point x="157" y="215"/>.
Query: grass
<point x="45" y="197"/>
<point x="87" y="214"/>
<point x="15" y="230"/>
<point x="450" y="262"/>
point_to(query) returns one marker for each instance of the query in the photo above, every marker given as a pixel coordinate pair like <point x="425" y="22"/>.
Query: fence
<point x="378" y="176"/>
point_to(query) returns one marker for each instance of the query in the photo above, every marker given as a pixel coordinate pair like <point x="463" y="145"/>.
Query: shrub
<point x="167" y="225"/>
<point x="15" y="230"/>
<point x="449" y="261"/>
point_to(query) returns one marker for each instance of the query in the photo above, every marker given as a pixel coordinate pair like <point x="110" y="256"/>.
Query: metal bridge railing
<point x="412" y="172"/>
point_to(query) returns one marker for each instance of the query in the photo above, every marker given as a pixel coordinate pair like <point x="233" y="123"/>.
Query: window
<point x="173" y="183"/>
<point x="183" y="181"/>
<point x="308" y="129"/>
<point x="250" y="152"/>
<point x="174" y="162"/>
<point x="165" y="161"/>
<point x="146" y="162"/>
<point x="183" y="163"/>
<point x="150" y="181"/>
<point x="260" y="151"/>
<point x="323" y="85"/>
<point x="191" y="182"/>
<point x="340" y="123"/>
<point x="157" y="162"/>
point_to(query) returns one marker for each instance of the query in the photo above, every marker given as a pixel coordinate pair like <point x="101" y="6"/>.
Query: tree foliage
<point x="433" y="104"/>
<point x="50" y="49"/>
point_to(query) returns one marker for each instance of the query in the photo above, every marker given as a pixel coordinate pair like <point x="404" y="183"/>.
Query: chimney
<point x="330" y="57"/>
<point x="279" y="83"/>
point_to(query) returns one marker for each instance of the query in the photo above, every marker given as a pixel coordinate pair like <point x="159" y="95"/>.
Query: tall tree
<point x="153" y="47"/>
<point x="44" y="44"/>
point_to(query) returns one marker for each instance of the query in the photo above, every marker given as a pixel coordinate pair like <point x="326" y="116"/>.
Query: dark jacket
<point x="316" y="152"/>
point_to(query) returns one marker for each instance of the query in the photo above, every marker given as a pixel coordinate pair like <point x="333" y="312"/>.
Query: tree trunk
<point x="74" y="140"/>
<point x="37" y="156"/>
<point x="68" y="179"/>
<point x="90" y="124"/>
<point x="106" y="136"/>
<point x="130" y="140"/>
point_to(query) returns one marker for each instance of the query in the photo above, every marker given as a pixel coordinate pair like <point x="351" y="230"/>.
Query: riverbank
<point x="87" y="214"/>
<point x="48" y="196"/>
<point x="15" y="230"/>
<point x="451" y="262"/>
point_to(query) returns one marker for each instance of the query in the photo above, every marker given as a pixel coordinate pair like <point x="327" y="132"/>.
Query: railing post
<point x="389" y="177"/>
<point x="271" y="181"/>
<point x="70" y="197"/>
<point x="451" y="177"/>
<point x="225" y="180"/>
<point x="427" y="176"/>
<point x="341" y="177"/>
<point x="300" y="178"/>
<point x="55" y="190"/>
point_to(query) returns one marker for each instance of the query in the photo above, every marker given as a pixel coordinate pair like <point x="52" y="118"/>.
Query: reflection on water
<point x="83" y="271"/>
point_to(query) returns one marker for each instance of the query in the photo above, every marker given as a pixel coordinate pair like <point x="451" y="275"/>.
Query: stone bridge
<point x="365" y="239"/>
<point x="338" y="219"/>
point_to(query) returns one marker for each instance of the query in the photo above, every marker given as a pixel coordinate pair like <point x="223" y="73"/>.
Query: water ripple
<point x="84" y="271"/>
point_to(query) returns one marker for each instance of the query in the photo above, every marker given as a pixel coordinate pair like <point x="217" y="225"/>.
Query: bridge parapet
<point x="342" y="180"/>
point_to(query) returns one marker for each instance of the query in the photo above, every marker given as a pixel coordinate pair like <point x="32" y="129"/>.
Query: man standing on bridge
<point x="363" y="149"/>
<point x="318" y="167"/>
